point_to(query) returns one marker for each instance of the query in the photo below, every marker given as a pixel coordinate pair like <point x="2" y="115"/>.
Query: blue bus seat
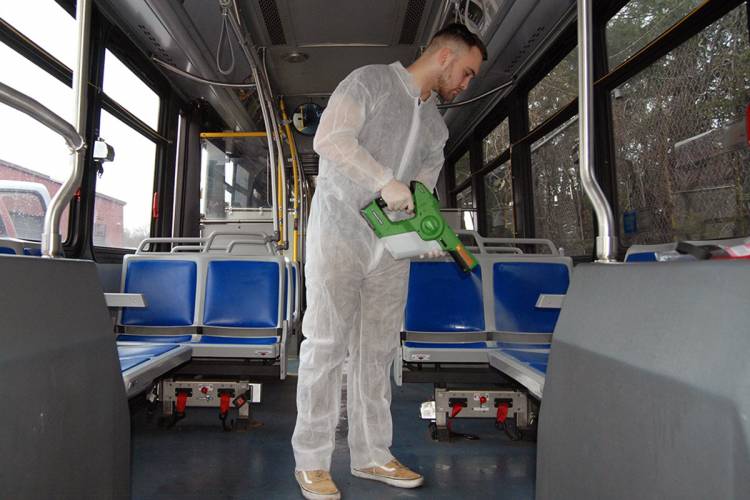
<point x="443" y="299"/>
<point x="641" y="257"/>
<point x="651" y="252"/>
<point x="168" y="284"/>
<point x="517" y="283"/>
<point x="242" y="294"/>
<point x="524" y="363"/>
<point x="244" y="308"/>
<point x="167" y="339"/>
<point x="141" y="364"/>
<point x="447" y="304"/>
<point x="447" y="313"/>
<point x="293" y="294"/>
<point x="221" y="305"/>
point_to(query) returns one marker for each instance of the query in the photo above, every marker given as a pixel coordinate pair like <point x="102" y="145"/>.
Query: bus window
<point x="495" y="143"/>
<point x="124" y="190"/>
<point x="122" y="85"/>
<point x="562" y="212"/>
<point x="33" y="159"/>
<point x="680" y="140"/>
<point x="462" y="169"/>
<point x="46" y="24"/>
<point x="234" y="177"/>
<point x="122" y="211"/>
<point x="23" y="205"/>
<point x="465" y="204"/>
<point x="639" y="22"/>
<point x="555" y="90"/>
<point x="498" y="198"/>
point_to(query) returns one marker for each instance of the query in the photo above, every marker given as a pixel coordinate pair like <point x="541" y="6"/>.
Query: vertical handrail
<point x="76" y="144"/>
<point x="606" y="240"/>
<point x="234" y="23"/>
<point x="280" y="151"/>
<point x="51" y="238"/>
<point x="295" y="176"/>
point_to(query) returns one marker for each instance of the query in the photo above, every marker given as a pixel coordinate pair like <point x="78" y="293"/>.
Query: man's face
<point x="456" y="77"/>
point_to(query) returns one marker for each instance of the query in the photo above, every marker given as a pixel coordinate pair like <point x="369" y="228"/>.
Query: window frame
<point x="78" y="242"/>
<point x="515" y="107"/>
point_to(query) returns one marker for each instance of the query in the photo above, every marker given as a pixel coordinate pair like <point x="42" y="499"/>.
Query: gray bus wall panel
<point x="64" y="422"/>
<point x="647" y="393"/>
<point x="109" y="277"/>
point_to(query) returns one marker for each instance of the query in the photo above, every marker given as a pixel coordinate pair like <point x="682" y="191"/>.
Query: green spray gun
<point x="422" y="233"/>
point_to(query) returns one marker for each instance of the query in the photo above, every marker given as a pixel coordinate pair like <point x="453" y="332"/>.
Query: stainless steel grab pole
<point x="42" y="114"/>
<point x="606" y="240"/>
<point x="51" y="239"/>
<point x="252" y="60"/>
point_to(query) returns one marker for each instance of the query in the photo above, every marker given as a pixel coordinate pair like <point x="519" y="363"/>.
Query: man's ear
<point x="445" y="56"/>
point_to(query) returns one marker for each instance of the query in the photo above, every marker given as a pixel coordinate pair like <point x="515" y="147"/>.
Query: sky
<point x="25" y="142"/>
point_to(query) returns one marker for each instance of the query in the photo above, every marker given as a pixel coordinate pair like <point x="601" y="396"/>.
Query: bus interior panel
<point x="575" y="296"/>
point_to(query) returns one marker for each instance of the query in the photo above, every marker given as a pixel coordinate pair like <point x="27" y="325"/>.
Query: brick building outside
<point x="108" y="222"/>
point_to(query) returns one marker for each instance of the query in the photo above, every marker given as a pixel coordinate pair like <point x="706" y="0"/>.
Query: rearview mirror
<point x="307" y="117"/>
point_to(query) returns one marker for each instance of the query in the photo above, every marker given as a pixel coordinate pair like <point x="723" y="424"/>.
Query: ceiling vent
<point x="526" y="50"/>
<point x="411" y="22"/>
<point x="273" y="21"/>
<point x="158" y="49"/>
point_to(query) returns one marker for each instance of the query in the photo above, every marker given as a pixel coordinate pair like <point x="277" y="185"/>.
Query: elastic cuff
<point x="383" y="184"/>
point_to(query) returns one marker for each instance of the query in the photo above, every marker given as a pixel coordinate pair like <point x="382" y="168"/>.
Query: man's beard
<point x="443" y="92"/>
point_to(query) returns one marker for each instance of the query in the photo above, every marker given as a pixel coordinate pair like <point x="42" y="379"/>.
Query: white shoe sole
<point x="317" y="496"/>
<point x="398" y="483"/>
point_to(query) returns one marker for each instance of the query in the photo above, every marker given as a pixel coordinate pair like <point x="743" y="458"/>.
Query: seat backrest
<point x="169" y="284"/>
<point x="517" y="282"/>
<point x="245" y="292"/>
<point x="442" y="298"/>
<point x="65" y="425"/>
<point x="646" y="393"/>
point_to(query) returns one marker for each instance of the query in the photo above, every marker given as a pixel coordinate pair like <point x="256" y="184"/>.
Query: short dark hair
<point x="460" y="33"/>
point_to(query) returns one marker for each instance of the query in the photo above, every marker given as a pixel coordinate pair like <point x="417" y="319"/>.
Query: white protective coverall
<point x="374" y="128"/>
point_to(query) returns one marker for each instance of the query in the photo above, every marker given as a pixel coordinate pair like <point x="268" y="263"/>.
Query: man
<point x="380" y="131"/>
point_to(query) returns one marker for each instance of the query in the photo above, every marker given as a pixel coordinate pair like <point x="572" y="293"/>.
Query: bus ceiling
<point x="312" y="45"/>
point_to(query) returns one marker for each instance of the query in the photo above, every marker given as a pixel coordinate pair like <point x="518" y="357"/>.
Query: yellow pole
<point x="295" y="173"/>
<point x="279" y="194"/>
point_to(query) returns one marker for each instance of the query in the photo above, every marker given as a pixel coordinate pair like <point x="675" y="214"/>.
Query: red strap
<point x="181" y="401"/>
<point x="502" y="413"/>
<point x="456" y="410"/>
<point x="224" y="404"/>
<point x="155" y="206"/>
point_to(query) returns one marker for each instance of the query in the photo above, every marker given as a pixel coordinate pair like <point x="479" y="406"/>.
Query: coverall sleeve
<point x="337" y="138"/>
<point x="430" y="171"/>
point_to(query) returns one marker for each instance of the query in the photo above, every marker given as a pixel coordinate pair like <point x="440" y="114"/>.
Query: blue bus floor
<point x="197" y="460"/>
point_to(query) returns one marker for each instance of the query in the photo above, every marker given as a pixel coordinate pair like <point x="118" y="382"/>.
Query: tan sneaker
<point x="393" y="473"/>
<point x="317" y="485"/>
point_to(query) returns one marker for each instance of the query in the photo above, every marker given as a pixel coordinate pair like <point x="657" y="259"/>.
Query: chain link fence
<point x="498" y="197"/>
<point x="681" y="147"/>
<point x="562" y="213"/>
